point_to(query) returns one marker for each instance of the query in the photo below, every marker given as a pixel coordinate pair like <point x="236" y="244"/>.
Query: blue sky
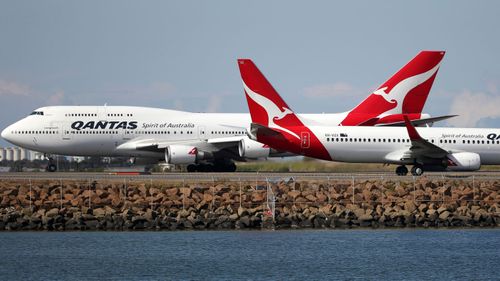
<point x="322" y="56"/>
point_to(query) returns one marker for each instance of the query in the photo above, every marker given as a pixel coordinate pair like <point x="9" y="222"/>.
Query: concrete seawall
<point x="163" y="205"/>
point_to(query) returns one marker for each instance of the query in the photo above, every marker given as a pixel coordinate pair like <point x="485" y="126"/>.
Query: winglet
<point x="412" y="132"/>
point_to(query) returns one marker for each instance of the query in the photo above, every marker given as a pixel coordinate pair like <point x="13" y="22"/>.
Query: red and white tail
<point x="266" y="106"/>
<point x="271" y="114"/>
<point x="404" y="93"/>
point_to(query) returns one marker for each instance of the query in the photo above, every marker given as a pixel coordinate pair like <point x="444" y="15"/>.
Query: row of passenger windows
<point x="477" y="142"/>
<point x="34" y="132"/>
<point x="120" y="114"/>
<point x="80" y="114"/>
<point x="158" y="132"/>
<point x="407" y="140"/>
<point x="99" y="132"/>
<point x="93" y="114"/>
<point x="365" y="140"/>
<point x="228" y="132"/>
<point x="93" y="132"/>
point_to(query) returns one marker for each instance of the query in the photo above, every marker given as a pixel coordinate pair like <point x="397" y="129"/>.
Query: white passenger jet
<point x="206" y="141"/>
<point x="428" y="149"/>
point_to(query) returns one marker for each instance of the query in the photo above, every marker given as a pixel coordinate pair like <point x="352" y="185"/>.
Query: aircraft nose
<point x="6" y="134"/>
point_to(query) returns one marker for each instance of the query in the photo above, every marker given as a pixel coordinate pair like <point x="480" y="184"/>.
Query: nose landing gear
<point x="51" y="166"/>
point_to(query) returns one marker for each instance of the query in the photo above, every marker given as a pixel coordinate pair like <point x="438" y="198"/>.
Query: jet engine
<point x="251" y="149"/>
<point x="182" y="154"/>
<point x="463" y="161"/>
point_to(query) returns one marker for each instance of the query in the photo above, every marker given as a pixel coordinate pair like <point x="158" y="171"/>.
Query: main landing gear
<point x="416" y="170"/>
<point x="401" y="170"/>
<point x="209" y="167"/>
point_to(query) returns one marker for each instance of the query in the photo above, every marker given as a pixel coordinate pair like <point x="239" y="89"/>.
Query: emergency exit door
<point x="305" y="139"/>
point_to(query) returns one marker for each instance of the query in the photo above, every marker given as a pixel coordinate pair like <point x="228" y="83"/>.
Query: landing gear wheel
<point x="51" y="168"/>
<point x="401" y="170"/>
<point x="191" y="168"/>
<point x="231" y="167"/>
<point x="207" y="168"/>
<point x="417" y="170"/>
<point x="224" y="167"/>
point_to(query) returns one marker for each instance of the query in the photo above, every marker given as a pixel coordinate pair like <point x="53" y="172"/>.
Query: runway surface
<point x="245" y="176"/>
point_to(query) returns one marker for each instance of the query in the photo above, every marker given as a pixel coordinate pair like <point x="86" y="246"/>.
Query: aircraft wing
<point x="149" y="144"/>
<point x="156" y="144"/>
<point x="419" y="122"/>
<point x="226" y="140"/>
<point x="420" y="147"/>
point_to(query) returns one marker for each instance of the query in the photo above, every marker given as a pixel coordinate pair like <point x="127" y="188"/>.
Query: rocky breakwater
<point x="113" y="205"/>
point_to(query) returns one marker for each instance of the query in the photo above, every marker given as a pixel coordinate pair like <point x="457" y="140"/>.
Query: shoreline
<point x="114" y="205"/>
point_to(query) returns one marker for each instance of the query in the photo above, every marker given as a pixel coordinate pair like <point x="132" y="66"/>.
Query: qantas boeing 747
<point x="427" y="149"/>
<point x="206" y="141"/>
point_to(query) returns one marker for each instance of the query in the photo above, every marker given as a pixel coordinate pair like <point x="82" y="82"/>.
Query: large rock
<point x="294" y="194"/>
<point x="410" y="206"/>
<point x="186" y="191"/>
<point x="258" y="196"/>
<point x="172" y="192"/>
<point x="441" y="209"/>
<point x="52" y="213"/>
<point x="311" y="198"/>
<point x="92" y="224"/>
<point x="242" y="212"/>
<point x="207" y="197"/>
<point x="365" y="217"/>
<point x="99" y="212"/>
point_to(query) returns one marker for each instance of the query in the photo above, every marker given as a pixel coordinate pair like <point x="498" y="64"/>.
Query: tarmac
<point x="241" y="176"/>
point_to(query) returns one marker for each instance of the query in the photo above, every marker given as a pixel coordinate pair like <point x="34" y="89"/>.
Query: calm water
<point x="252" y="255"/>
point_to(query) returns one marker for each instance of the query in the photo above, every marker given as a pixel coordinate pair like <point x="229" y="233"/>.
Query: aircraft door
<point x="202" y="134"/>
<point x="66" y="131"/>
<point x="305" y="139"/>
<point x="102" y="114"/>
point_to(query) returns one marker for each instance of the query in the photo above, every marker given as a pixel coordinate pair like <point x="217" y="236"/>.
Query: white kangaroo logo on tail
<point x="272" y="110"/>
<point x="399" y="92"/>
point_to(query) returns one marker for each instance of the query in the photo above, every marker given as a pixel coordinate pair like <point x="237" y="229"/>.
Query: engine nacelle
<point x="181" y="154"/>
<point x="463" y="161"/>
<point x="251" y="149"/>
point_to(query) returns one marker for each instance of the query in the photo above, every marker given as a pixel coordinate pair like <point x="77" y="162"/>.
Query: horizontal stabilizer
<point x="261" y="130"/>
<point x="419" y="122"/>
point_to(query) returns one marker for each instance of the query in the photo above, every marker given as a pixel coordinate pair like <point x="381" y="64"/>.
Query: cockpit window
<point x="37" y="113"/>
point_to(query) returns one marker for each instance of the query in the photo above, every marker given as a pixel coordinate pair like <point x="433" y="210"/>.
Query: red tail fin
<point x="265" y="104"/>
<point x="404" y="93"/>
<point x="269" y="110"/>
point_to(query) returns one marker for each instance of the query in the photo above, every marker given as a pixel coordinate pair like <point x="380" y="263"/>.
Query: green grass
<point x="311" y="166"/>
